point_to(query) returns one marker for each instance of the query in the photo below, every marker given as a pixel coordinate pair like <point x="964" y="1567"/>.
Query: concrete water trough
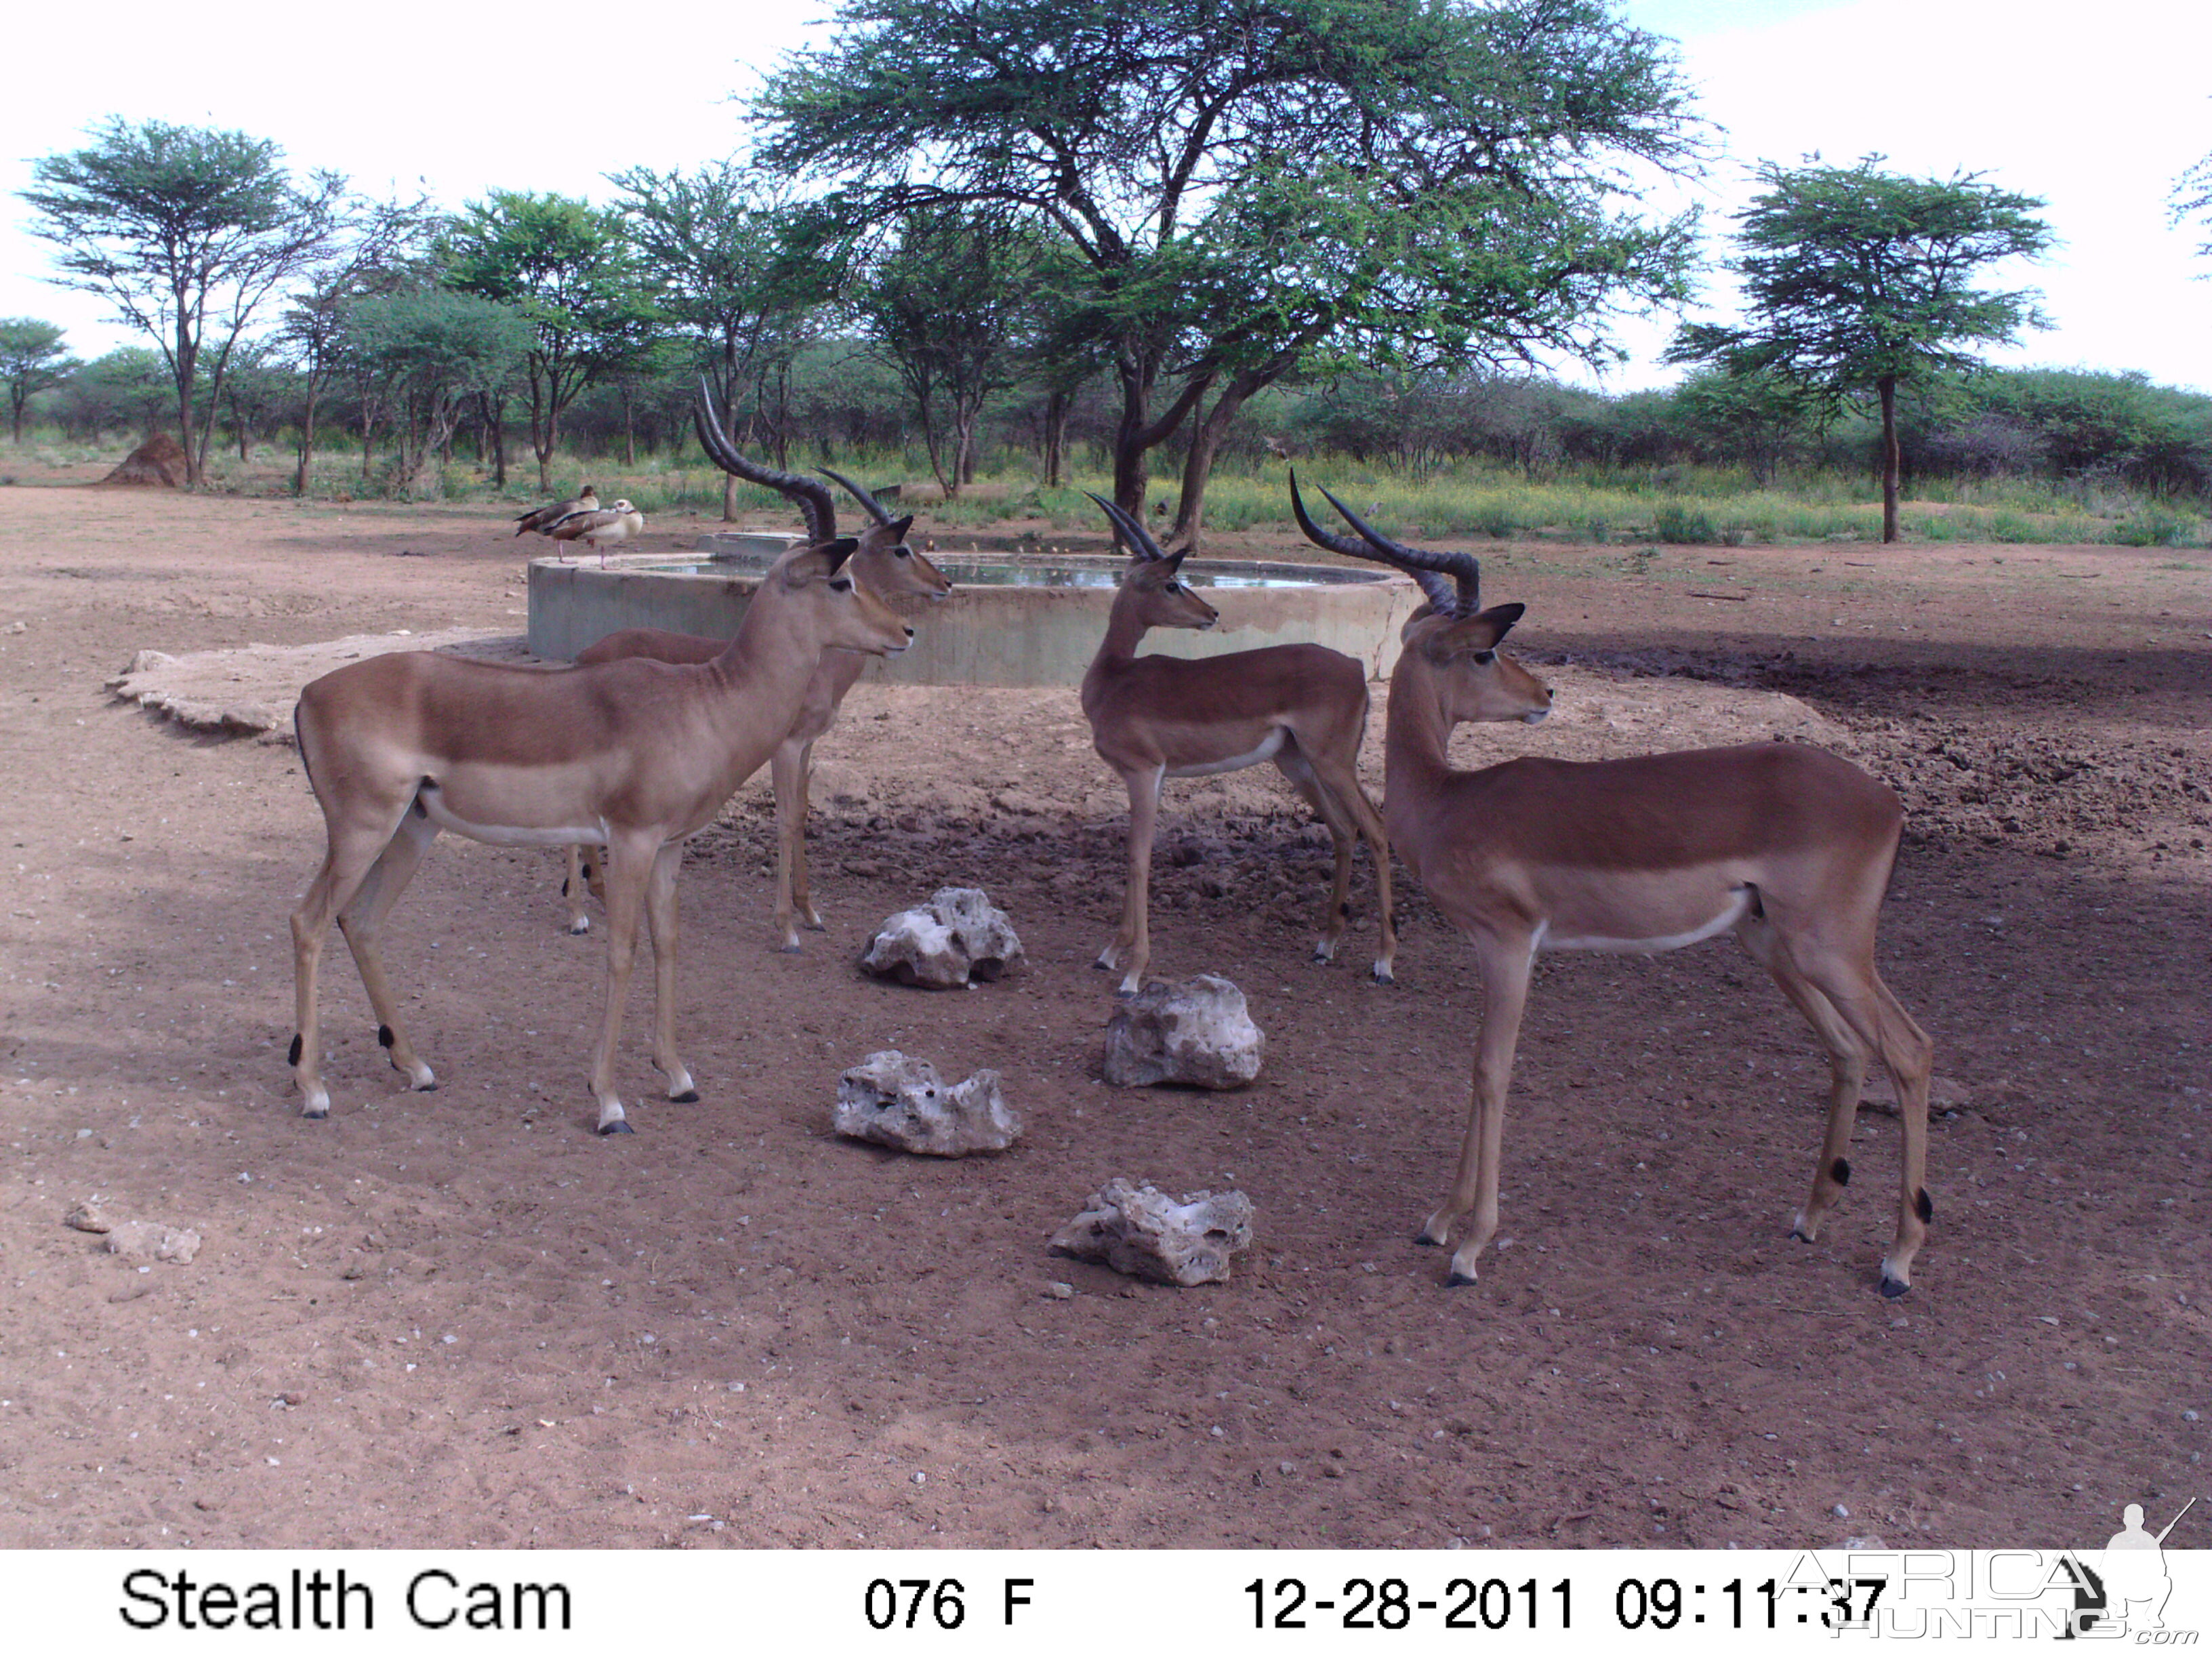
<point x="1013" y="619"/>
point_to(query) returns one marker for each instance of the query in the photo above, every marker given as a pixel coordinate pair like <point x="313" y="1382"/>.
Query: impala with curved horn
<point x="1788" y="847"/>
<point x="637" y="755"/>
<point x="1303" y="706"/>
<point x="883" y="564"/>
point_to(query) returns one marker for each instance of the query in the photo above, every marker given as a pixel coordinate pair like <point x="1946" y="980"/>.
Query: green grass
<point x="1466" y="502"/>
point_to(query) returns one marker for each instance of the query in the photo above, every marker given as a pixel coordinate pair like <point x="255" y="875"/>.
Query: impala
<point x="1787" y="847"/>
<point x="885" y="565"/>
<point x="634" y="756"/>
<point x="1303" y="706"/>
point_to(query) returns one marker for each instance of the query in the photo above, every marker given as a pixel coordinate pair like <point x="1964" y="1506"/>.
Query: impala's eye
<point x="1172" y="587"/>
<point x="840" y="584"/>
<point x="903" y="552"/>
<point x="1486" y="658"/>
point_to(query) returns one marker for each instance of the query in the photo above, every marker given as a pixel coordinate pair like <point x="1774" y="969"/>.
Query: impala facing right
<point x="1786" y="846"/>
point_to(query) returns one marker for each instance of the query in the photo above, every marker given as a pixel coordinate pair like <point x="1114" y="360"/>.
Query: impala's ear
<point x="900" y="526"/>
<point x="1470" y="635"/>
<point x="1174" y="563"/>
<point x="819" y="562"/>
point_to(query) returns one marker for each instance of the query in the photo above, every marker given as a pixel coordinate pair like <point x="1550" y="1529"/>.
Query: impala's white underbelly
<point x="507" y="834"/>
<point x="1739" y="904"/>
<point x="1266" y="751"/>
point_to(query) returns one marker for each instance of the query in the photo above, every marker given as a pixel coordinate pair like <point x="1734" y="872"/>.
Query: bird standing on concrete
<point x="543" y="519"/>
<point x="599" y="528"/>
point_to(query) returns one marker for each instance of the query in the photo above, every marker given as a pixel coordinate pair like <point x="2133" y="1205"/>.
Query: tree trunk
<point x="1055" y="438"/>
<point x="1198" y="465"/>
<point x="1886" y="386"/>
<point x="16" y="399"/>
<point x="302" y="477"/>
<point x="495" y="420"/>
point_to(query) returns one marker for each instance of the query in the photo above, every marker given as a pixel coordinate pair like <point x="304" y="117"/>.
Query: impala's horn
<point x="816" y="504"/>
<point x="1134" y="536"/>
<point x="1442" y="598"/>
<point x="876" y="509"/>
<point x="1464" y="569"/>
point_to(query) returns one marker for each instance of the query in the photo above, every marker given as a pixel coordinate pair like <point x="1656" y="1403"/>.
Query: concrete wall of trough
<point x="981" y="635"/>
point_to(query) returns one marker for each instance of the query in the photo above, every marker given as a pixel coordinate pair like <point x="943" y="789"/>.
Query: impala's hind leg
<point x="660" y="918"/>
<point x="362" y="919"/>
<point x="1847" y="982"/>
<point x="355" y="846"/>
<point x="573" y="888"/>
<point x="788" y="767"/>
<point x="1340" y="784"/>
<point x="1847" y="1058"/>
<point x="1342" y="838"/>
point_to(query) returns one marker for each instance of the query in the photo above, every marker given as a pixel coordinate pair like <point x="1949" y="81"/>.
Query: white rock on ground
<point x="898" y="1100"/>
<point x="1197" y="1033"/>
<point x="1142" y="1232"/>
<point x="151" y="1241"/>
<point x="959" y="936"/>
<point x="88" y="1216"/>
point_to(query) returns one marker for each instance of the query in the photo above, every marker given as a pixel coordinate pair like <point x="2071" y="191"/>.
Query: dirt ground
<point x="462" y="1318"/>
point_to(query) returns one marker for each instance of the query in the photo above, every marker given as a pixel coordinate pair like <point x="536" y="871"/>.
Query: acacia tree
<point x="379" y="248"/>
<point x="31" y="360"/>
<point x="429" y="353"/>
<point x="720" y="243"/>
<point x="569" y="268"/>
<point x="2192" y="199"/>
<point x="187" y="232"/>
<point x="1856" y="282"/>
<point x="1250" y="186"/>
<point x="950" y="301"/>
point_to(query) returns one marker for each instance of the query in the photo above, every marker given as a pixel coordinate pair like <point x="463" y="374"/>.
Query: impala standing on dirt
<point x="1787" y="847"/>
<point x="1303" y="706"/>
<point x="883" y="565"/>
<point x="635" y="756"/>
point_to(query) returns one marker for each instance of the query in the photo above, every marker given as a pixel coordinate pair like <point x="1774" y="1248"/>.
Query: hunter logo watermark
<point x="2117" y="1593"/>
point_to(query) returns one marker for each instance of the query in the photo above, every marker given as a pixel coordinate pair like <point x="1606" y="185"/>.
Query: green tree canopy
<point x="721" y="243"/>
<point x="1250" y="186"/>
<point x="950" y="302"/>
<point x="187" y="232"/>
<point x="1857" y="281"/>
<point x="32" y="359"/>
<point x="569" y="268"/>
<point x="431" y="352"/>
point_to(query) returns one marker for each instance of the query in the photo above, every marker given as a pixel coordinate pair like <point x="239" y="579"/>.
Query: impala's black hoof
<point x="1801" y="1235"/>
<point x="1425" y="1241"/>
<point x="619" y="1126"/>
<point x="790" y="950"/>
<point x="1385" y="977"/>
<point x="429" y="1088"/>
<point x="317" y="1117"/>
<point x="1458" y="1278"/>
<point x="1894" y="1288"/>
<point x="688" y="1097"/>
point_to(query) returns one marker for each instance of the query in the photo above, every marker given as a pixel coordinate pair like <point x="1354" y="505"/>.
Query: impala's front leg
<point x="1132" y="949"/>
<point x="788" y="767"/>
<point x="660" y="917"/>
<point x="628" y="871"/>
<point x="1506" y="965"/>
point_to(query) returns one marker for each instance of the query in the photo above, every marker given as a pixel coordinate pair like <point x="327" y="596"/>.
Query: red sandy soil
<point x="462" y="1318"/>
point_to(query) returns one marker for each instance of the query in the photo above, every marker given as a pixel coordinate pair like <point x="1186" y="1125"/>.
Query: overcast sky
<point x="2096" y="108"/>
